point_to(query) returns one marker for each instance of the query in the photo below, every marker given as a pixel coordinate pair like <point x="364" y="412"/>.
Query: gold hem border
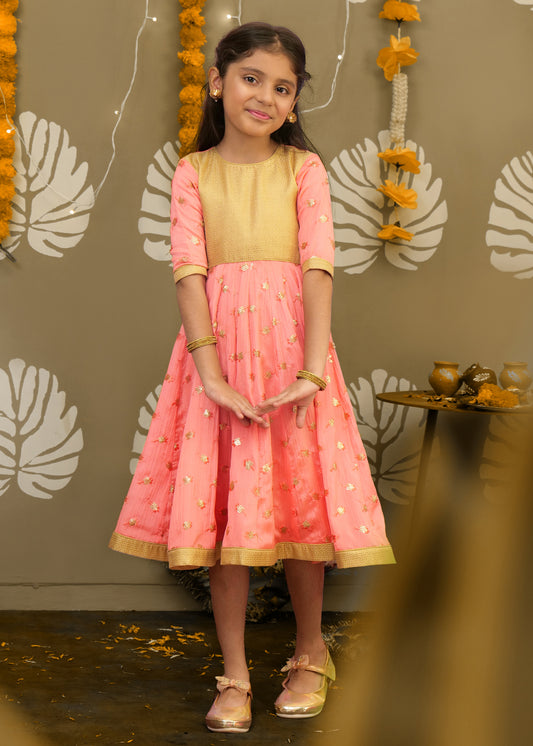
<point x="186" y="558"/>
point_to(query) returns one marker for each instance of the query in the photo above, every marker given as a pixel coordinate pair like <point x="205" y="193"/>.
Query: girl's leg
<point x="306" y="586"/>
<point x="229" y="595"/>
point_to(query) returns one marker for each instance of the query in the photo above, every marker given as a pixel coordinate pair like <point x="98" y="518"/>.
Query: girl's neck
<point x="246" y="150"/>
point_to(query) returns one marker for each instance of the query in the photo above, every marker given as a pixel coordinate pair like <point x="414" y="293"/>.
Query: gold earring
<point x="291" y="117"/>
<point x="216" y="94"/>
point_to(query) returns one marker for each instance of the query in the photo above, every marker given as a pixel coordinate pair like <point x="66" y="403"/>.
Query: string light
<point x="118" y="112"/>
<point x="238" y="17"/>
<point x="340" y="59"/>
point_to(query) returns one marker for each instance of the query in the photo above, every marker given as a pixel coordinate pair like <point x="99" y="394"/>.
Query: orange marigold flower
<point x="403" y="158"/>
<point x="399" y="53"/>
<point x="191" y="94"/>
<point x="192" y="3"/>
<point x="397" y="11"/>
<point x="191" y="16"/>
<point x="186" y="137"/>
<point x="192" y="37"/>
<point x="192" y="57"/>
<point x="399" y="194"/>
<point x="189" y="115"/>
<point x="190" y="75"/>
<point x="390" y="232"/>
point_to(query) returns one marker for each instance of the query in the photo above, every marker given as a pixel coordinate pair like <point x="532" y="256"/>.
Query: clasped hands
<point x="300" y="392"/>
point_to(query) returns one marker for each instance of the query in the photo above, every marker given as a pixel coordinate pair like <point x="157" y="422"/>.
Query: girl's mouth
<point x="259" y="114"/>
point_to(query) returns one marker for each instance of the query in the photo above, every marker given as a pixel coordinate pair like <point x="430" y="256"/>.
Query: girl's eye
<point x="281" y="89"/>
<point x="249" y="78"/>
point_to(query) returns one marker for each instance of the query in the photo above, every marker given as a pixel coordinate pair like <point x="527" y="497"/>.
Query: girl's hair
<point x="242" y="42"/>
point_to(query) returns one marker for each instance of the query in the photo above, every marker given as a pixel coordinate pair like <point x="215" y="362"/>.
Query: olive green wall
<point x="89" y="312"/>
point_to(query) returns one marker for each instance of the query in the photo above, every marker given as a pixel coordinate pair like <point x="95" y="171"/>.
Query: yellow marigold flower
<point x="390" y="232"/>
<point x="398" y="11"/>
<point x="399" y="53"/>
<point x="399" y="194"/>
<point x="403" y="158"/>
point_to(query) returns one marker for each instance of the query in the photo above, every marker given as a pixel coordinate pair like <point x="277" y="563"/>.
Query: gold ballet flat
<point x="292" y="704"/>
<point x="222" y="719"/>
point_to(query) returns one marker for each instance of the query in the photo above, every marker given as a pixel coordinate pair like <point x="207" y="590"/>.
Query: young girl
<point x="253" y="454"/>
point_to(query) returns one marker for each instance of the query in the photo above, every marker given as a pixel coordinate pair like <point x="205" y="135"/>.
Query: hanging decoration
<point x="391" y="59"/>
<point x="192" y="76"/>
<point x="8" y="73"/>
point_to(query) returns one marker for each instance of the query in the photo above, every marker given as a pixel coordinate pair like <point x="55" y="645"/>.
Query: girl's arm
<point x="317" y="292"/>
<point x="194" y="311"/>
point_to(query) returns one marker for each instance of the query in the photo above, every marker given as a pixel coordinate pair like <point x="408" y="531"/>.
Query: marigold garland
<point x="8" y="74"/>
<point x="192" y="76"/>
<point x="391" y="59"/>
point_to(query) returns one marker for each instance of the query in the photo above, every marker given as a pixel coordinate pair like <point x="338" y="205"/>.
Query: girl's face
<point x="257" y="93"/>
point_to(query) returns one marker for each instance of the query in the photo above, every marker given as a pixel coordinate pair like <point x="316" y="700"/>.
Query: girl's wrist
<point x="312" y="377"/>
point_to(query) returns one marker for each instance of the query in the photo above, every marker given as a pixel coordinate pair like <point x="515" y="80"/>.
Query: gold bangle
<point x="311" y="377"/>
<point x="201" y="342"/>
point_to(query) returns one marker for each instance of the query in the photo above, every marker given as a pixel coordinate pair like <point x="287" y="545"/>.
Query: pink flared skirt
<point x="207" y="487"/>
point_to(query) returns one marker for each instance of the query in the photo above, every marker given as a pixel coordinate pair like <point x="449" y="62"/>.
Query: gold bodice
<point x="249" y="209"/>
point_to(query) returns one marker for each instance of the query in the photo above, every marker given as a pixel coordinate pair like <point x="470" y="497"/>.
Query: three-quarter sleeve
<point x="187" y="236"/>
<point x="315" y="235"/>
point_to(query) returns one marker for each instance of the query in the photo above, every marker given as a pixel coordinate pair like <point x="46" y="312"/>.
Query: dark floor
<point x="146" y="678"/>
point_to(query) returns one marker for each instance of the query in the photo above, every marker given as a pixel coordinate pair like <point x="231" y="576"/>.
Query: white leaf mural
<point x="359" y="210"/>
<point x="49" y="180"/>
<point x="154" y="223"/>
<point x="145" y="418"/>
<point x="39" y="440"/>
<point x="391" y="434"/>
<point x="525" y="2"/>
<point x="510" y="233"/>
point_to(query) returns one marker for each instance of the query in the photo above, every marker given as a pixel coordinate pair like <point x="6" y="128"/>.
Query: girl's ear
<point x="214" y="78"/>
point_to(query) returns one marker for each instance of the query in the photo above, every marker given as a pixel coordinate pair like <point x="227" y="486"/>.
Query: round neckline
<point x="253" y="163"/>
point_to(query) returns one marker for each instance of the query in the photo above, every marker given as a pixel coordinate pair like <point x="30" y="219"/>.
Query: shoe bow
<point x="225" y="683"/>
<point x="295" y="664"/>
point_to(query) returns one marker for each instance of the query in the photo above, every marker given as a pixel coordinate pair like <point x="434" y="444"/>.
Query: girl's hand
<point x="221" y="393"/>
<point x="301" y="392"/>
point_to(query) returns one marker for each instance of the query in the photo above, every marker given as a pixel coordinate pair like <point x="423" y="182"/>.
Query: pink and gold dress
<point x="208" y="487"/>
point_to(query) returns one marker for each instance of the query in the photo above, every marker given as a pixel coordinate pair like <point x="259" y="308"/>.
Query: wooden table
<point x="434" y="404"/>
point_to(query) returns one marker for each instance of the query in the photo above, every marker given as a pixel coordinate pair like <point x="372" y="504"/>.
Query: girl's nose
<point x="264" y="95"/>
